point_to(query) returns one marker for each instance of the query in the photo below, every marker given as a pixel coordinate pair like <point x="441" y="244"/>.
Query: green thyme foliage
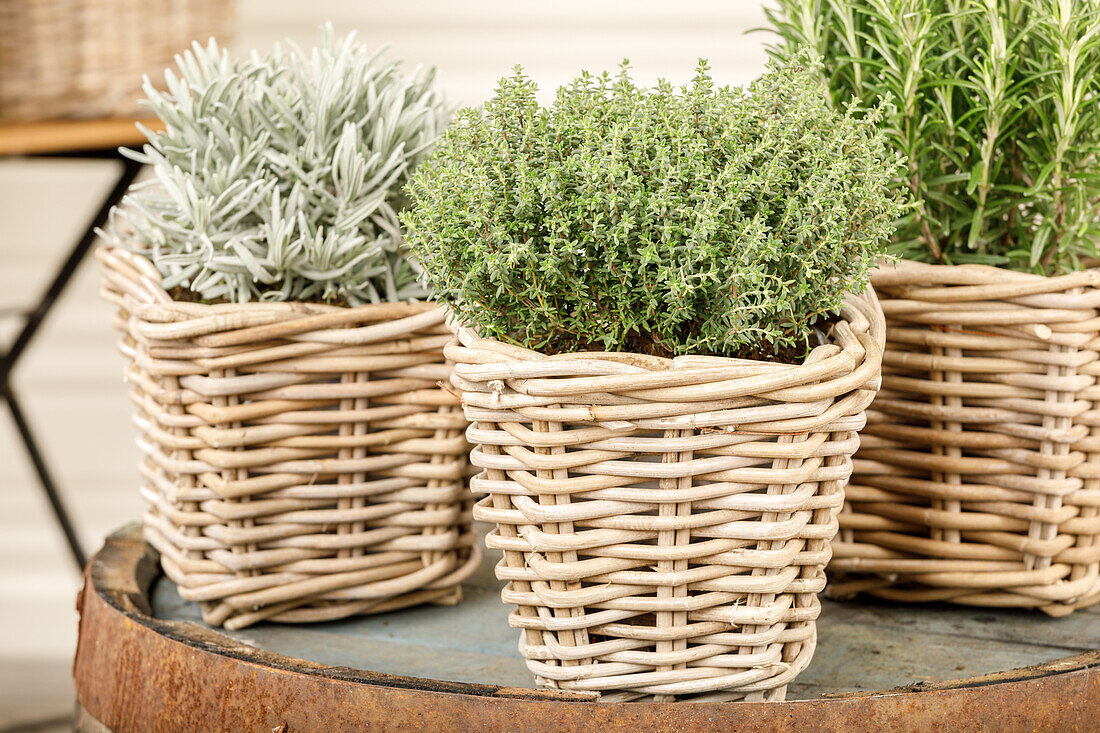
<point x="279" y="176"/>
<point x="997" y="114"/>
<point x="671" y="221"/>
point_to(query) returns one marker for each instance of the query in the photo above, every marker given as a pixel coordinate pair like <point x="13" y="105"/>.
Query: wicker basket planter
<point x="86" y="58"/>
<point x="301" y="461"/>
<point x="978" y="479"/>
<point x="665" y="523"/>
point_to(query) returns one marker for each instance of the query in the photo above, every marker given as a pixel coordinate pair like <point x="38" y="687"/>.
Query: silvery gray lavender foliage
<point x="279" y="176"/>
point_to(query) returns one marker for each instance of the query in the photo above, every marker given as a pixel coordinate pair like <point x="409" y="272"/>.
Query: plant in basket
<point x="665" y="347"/>
<point x="977" y="479"/>
<point x="301" y="460"/>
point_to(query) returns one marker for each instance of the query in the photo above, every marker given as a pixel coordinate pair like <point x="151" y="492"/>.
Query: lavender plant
<point x="668" y="221"/>
<point x="996" y="111"/>
<point x="279" y="177"/>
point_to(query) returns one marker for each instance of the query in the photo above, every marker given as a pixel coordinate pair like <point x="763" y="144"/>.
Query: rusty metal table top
<point x="146" y="662"/>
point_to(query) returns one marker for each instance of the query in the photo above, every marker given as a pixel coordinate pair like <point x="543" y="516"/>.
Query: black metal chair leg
<point x="130" y="170"/>
<point x="44" y="477"/>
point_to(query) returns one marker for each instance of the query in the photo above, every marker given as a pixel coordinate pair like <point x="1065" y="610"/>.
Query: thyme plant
<point x="279" y="176"/>
<point x="996" y="111"/>
<point x="712" y="220"/>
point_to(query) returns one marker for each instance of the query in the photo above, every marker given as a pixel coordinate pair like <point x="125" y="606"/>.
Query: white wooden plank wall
<point x="71" y="378"/>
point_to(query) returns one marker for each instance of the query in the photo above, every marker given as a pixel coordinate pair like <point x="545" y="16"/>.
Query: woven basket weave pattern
<point x="978" y="480"/>
<point x="665" y="523"/>
<point x="301" y="462"/>
<point x="86" y="58"/>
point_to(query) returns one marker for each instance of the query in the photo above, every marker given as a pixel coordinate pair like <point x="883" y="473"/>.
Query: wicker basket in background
<point x="665" y="523"/>
<point x="86" y="58"/>
<point x="978" y="480"/>
<point x="301" y="461"/>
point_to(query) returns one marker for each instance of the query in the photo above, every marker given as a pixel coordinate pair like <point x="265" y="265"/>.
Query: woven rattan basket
<point x="978" y="480"/>
<point x="86" y="58"/>
<point x="301" y="461"/>
<point x="665" y="523"/>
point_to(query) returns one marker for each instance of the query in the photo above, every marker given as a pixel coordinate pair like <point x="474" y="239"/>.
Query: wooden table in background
<point x="71" y="136"/>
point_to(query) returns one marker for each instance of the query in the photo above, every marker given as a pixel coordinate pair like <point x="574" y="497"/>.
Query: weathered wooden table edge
<point x="134" y="672"/>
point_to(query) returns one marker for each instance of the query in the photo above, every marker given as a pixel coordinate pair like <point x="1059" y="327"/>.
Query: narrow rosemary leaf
<point x="996" y="109"/>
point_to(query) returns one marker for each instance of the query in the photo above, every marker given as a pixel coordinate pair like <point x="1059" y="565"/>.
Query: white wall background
<point x="475" y="42"/>
<point x="71" y="377"/>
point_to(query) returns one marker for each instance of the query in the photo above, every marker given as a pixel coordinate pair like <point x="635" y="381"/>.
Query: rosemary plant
<point x="996" y="110"/>
<point x="279" y="177"/>
<point x="667" y="221"/>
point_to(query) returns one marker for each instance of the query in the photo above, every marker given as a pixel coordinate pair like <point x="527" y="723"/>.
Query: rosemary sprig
<point x="996" y="107"/>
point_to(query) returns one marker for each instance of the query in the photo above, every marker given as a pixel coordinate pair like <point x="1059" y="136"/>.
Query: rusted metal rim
<point x="135" y="673"/>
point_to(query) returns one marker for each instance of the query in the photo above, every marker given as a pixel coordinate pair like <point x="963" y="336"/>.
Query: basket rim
<point x="146" y="290"/>
<point x="850" y="361"/>
<point x="889" y="273"/>
<point x="132" y="283"/>
<point x="861" y="314"/>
